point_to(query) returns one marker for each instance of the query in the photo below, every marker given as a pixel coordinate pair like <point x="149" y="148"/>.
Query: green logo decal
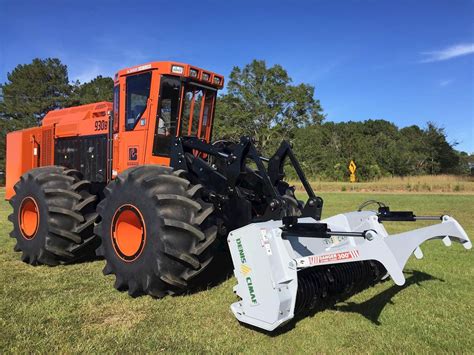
<point x="240" y="248"/>
<point x="251" y="290"/>
<point x="246" y="270"/>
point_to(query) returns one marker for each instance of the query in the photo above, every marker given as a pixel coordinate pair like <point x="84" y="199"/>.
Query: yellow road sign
<point x="352" y="169"/>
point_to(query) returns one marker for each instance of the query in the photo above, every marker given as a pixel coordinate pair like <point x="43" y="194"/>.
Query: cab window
<point x="191" y="110"/>
<point x="207" y="113"/>
<point x="187" y="101"/>
<point x="184" y="109"/>
<point x="198" y="96"/>
<point x="137" y="93"/>
<point x="116" y="108"/>
<point x="167" y="115"/>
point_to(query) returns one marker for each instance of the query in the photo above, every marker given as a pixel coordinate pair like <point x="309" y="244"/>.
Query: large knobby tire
<point x="157" y="233"/>
<point x="53" y="216"/>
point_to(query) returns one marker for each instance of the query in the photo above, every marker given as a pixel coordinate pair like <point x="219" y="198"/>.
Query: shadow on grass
<point x="216" y="273"/>
<point x="371" y="309"/>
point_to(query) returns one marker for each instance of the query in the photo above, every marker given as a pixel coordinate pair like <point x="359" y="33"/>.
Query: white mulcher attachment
<point x="289" y="266"/>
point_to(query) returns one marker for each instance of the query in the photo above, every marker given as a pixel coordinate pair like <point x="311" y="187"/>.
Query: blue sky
<point x="405" y="61"/>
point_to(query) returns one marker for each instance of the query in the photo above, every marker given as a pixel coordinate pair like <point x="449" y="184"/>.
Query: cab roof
<point x="178" y="69"/>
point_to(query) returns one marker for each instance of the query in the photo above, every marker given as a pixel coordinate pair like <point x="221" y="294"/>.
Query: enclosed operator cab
<point x="152" y="104"/>
<point x="158" y="101"/>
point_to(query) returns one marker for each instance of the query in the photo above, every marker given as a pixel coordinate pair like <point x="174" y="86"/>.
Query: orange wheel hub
<point x="128" y="233"/>
<point x="28" y="218"/>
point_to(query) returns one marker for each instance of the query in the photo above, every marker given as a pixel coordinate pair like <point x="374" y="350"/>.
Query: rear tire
<point x="53" y="216"/>
<point x="157" y="233"/>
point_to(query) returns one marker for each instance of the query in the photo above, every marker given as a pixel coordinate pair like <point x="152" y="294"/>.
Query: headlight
<point x="217" y="80"/>
<point x="205" y="76"/>
<point x="193" y="73"/>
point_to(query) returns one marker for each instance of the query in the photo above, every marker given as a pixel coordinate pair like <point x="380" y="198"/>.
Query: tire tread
<point x="61" y="188"/>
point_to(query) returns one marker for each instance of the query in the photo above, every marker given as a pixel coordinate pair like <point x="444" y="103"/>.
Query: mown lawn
<point x="453" y="184"/>
<point x="75" y="308"/>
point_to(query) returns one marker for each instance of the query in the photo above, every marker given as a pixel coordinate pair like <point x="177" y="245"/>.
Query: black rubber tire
<point x="180" y="234"/>
<point x="66" y="209"/>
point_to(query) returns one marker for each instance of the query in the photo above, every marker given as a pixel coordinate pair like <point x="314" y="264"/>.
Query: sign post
<point x="352" y="169"/>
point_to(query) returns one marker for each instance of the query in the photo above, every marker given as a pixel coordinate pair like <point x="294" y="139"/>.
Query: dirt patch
<point x="116" y="314"/>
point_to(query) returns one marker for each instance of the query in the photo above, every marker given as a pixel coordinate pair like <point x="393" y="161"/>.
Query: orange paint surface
<point x="34" y="147"/>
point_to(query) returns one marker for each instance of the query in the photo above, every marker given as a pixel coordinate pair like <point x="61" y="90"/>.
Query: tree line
<point x="264" y="103"/>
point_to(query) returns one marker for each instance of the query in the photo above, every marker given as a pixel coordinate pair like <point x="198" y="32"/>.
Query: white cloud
<point x="448" y="53"/>
<point x="86" y="70"/>
<point x="445" y="82"/>
<point x="88" y="73"/>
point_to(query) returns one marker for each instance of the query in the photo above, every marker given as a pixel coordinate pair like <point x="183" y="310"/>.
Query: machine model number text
<point x="101" y="125"/>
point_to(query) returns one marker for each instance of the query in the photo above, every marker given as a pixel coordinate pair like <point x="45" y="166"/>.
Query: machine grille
<point x="88" y="154"/>
<point x="47" y="147"/>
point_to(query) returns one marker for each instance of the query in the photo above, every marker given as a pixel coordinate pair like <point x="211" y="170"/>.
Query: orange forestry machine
<point x="138" y="182"/>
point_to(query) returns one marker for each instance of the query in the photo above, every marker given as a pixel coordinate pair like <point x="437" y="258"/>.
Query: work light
<point x="177" y="69"/>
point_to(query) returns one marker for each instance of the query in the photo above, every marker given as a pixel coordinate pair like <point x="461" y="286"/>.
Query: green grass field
<point x="75" y="308"/>
<point x="452" y="184"/>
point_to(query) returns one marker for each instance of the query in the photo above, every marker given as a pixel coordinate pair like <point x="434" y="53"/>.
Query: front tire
<point x="157" y="233"/>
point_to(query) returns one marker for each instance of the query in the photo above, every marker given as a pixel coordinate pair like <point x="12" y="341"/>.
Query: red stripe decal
<point x="330" y="258"/>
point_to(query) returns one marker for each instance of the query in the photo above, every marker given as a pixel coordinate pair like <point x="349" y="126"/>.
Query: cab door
<point x="129" y="143"/>
<point x="113" y="144"/>
<point x="167" y="118"/>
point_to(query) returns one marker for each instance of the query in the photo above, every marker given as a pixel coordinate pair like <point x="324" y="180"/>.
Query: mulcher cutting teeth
<point x="322" y="286"/>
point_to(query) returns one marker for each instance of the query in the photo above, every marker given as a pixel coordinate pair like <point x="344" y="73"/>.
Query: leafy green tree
<point x="465" y="162"/>
<point x="442" y="157"/>
<point x="262" y="102"/>
<point x="98" y="89"/>
<point x="413" y="141"/>
<point x="34" y="89"/>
